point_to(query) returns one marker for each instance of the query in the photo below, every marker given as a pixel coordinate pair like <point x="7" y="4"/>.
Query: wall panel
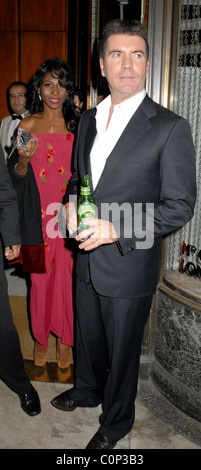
<point x="32" y="31"/>
<point x="45" y="15"/>
<point x="36" y="47"/>
<point x="9" y="66"/>
<point x="9" y="15"/>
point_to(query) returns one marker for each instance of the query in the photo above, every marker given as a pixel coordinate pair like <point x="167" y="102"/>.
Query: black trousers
<point x="109" y="333"/>
<point x="11" y="361"/>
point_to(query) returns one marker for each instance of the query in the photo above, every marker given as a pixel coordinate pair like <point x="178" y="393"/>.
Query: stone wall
<point x="176" y="369"/>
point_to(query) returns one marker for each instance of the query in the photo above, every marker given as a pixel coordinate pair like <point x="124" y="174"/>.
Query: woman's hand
<point x="25" y="155"/>
<point x="28" y="152"/>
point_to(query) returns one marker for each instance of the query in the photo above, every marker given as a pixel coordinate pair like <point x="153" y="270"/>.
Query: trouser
<point x="11" y="361"/>
<point x="109" y="333"/>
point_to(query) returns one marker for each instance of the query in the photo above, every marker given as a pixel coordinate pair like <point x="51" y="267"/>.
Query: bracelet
<point x="19" y="174"/>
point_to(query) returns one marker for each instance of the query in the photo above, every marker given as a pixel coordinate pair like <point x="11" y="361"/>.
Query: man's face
<point x="18" y="99"/>
<point x="125" y="66"/>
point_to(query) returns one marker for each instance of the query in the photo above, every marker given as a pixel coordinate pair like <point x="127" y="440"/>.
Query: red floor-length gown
<point x="51" y="293"/>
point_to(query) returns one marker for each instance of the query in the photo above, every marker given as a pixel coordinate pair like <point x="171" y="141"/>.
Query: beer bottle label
<point x="86" y="211"/>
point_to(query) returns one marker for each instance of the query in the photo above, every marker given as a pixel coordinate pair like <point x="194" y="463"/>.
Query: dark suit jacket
<point x="9" y="213"/>
<point x="152" y="162"/>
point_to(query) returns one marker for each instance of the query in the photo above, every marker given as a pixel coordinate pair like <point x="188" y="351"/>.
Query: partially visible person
<point x="16" y="101"/>
<point x="78" y="100"/>
<point x="11" y="361"/>
<point x="41" y="174"/>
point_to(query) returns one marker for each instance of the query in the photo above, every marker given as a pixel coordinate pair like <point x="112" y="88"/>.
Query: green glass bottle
<point x="86" y="204"/>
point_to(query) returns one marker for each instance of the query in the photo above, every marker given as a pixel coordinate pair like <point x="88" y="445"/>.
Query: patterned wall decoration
<point x="188" y="105"/>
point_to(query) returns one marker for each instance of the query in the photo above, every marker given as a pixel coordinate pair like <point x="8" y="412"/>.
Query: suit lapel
<point x="137" y="127"/>
<point x="89" y="140"/>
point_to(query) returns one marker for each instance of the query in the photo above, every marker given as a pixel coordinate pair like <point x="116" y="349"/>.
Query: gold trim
<point x="179" y="297"/>
<point x="174" y="55"/>
<point x="142" y="10"/>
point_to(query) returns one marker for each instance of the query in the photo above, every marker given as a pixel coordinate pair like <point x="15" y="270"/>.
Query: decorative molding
<point x="160" y="27"/>
<point x="176" y="295"/>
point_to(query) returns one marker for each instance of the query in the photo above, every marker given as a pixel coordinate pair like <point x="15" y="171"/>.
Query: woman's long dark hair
<point x="58" y="69"/>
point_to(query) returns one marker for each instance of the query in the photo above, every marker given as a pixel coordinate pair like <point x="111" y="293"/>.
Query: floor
<point x="158" y="425"/>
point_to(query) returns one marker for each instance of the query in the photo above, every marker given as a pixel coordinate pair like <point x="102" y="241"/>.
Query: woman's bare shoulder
<point x="29" y="123"/>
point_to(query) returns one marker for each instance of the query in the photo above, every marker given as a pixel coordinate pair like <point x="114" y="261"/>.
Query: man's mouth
<point x="127" y="77"/>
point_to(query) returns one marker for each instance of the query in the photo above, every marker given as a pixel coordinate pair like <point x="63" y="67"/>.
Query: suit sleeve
<point x="178" y="177"/>
<point x="9" y="213"/>
<point x="177" y="188"/>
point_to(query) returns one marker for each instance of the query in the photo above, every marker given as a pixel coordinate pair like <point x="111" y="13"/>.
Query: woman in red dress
<point x="48" y="162"/>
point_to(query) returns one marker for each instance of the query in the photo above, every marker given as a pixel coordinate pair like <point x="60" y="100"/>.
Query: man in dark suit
<point x="140" y="158"/>
<point x="11" y="361"/>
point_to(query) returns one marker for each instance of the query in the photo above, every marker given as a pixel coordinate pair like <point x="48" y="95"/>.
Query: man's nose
<point x="127" y="62"/>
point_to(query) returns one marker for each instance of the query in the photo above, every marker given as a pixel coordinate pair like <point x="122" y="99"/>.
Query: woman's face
<point x="52" y="92"/>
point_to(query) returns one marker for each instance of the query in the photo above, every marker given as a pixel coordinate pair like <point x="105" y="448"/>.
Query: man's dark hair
<point x="129" y="27"/>
<point x="16" y="83"/>
<point x="78" y="92"/>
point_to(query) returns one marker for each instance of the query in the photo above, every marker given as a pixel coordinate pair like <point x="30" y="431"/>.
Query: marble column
<point x="176" y="368"/>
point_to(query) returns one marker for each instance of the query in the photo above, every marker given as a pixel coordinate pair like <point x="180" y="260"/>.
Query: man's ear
<point x="148" y="63"/>
<point x="102" y="66"/>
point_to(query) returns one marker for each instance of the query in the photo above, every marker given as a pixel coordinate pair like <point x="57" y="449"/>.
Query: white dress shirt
<point x="106" y="138"/>
<point x="7" y="129"/>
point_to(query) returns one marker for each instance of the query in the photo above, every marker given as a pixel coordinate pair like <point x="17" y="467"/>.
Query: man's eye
<point x="138" y="55"/>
